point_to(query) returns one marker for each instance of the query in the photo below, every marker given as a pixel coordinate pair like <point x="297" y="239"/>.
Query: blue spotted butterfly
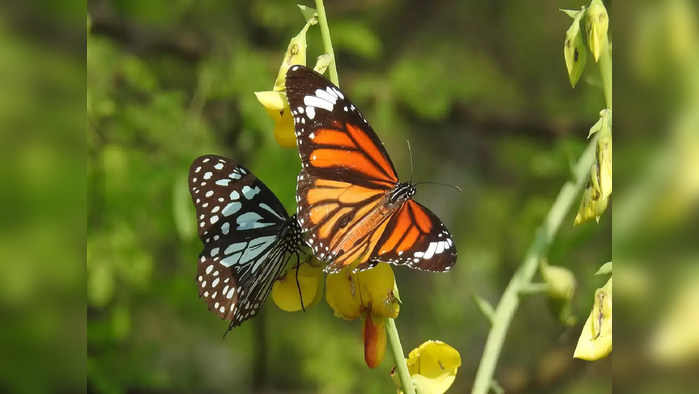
<point x="247" y="234"/>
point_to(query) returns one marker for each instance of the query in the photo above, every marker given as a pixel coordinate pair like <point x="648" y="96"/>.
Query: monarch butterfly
<point x="248" y="237"/>
<point x="350" y="202"/>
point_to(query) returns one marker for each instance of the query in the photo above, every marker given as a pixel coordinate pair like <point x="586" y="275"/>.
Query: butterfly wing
<point x="335" y="214"/>
<point x="239" y="220"/>
<point x="346" y="171"/>
<point x="345" y="179"/>
<point x="415" y="237"/>
<point x="334" y="139"/>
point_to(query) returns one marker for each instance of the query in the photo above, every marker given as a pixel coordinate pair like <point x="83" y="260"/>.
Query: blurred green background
<point x="479" y="88"/>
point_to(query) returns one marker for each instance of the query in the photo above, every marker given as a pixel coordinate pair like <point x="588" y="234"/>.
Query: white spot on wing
<point x="236" y="247"/>
<point x="269" y="209"/>
<point x="430" y="250"/>
<point x="249" y="192"/>
<point x="230" y="209"/>
<point x="313" y="101"/>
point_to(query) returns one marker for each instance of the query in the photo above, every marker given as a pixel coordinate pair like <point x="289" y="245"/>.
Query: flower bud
<point x="595" y="340"/>
<point x="604" y="161"/>
<point x="561" y="288"/>
<point x="592" y="205"/>
<point x="574" y="51"/>
<point x="322" y="63"/>
<point x="597" y="24"/>
<point x="560" y="280"/>
<point x="374" y="337"/>
<point x="295" y="54"/>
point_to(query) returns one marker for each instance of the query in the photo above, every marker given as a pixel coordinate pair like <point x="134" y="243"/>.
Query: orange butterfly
<point x="350" y="202"/>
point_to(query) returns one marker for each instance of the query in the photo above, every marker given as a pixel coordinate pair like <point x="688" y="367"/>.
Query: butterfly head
<point x="401" y="192"/>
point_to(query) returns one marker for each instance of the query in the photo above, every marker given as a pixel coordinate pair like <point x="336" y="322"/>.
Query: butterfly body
<point x="247" y="235"/>
<point x="350" y="202"/>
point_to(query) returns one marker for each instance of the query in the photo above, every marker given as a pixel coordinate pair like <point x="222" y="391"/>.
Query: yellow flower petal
<point x="374" y="337"/>
<point x="432" y="366"/>
<point x="274" y="101"/>
<point x="376" y="289"/>
<point x="426" y="385"/>
<point x="285" y="291"/>
<point x="342" y="294"/>
<point x="284" y="132"/>
<point x="595" y="341"/>
<point x="350" y="294"/>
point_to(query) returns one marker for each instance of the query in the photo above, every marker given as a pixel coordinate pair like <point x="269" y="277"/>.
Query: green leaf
<point x="605" y="269"/>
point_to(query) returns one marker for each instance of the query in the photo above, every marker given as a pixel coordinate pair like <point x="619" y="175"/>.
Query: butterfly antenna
<point x="410" y="153"/>
<point x="298" y="285"/>
<point x="441" y="184"/>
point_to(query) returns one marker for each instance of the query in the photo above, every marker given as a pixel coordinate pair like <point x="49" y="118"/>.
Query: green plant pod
<point x="560" y="280"/>
<point x="574" y="51"/>
<point x="295" y="54"/>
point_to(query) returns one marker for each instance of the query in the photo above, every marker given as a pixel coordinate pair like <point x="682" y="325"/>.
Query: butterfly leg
<point x="298" y="285"/>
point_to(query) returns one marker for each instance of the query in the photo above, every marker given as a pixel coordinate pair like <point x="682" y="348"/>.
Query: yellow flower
<point x="285" y="291"/>
<point x="595" y="341"/>
<point x="278" y="109"/>
<point x="597" y="25"/>
<point x="592" y="205"/>
<point x="432" y="367"/>
<point x="370" y="294"/>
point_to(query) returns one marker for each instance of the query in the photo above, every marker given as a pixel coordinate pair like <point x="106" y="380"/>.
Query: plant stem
<point x="522" y="278"/>
<point x="397" y="351"/>
<point x="605" y="66"/>
<point x="327" y="43"/>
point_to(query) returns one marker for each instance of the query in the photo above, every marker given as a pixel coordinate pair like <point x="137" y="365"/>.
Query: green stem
<point x="397" y="351"/>
<point x="605" y="67"/>
<point x="327" y="43"/>
<point x="510" y="300"/>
